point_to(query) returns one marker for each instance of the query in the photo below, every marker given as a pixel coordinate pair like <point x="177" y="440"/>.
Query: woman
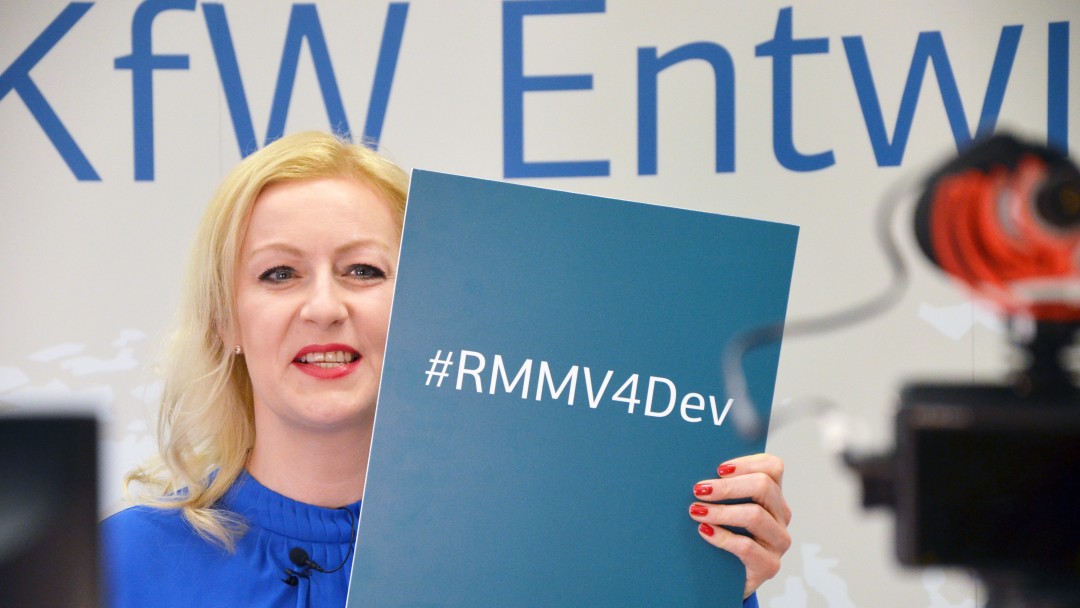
<point x="270" y="396"/>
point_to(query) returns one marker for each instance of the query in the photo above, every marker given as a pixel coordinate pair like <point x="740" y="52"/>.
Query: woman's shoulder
<point x="151" y="553"/>
<point x="135" y="525"/>
<point x="143" y="532"/>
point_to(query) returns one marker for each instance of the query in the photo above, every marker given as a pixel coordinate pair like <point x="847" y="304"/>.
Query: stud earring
<point x="236" y="349"/>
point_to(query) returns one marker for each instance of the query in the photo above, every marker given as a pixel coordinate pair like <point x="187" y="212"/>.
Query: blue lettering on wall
<point x="393" y="32"/>
<point x="304" y="25"/>
<point x="516" y="84"/>
<point x="929" y="49"/>
<point x="17" y="78"/>
<point x="1057" y="87"/>
<point x="650" y="65"/>
<point x="217" y="24"/>
<point x="142" y="62"/>
<point x="782" y="48"/>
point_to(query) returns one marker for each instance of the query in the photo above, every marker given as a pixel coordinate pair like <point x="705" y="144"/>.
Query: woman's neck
<point x="326" y="469"/>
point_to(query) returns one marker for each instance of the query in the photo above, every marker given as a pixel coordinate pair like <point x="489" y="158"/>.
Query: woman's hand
<point x="759" y="479"/>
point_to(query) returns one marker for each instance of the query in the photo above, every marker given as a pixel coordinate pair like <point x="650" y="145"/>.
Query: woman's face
<point x="313" y="293"/>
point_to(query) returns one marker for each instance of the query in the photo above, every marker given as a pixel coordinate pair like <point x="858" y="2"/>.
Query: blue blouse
<point x="153" y="557"/>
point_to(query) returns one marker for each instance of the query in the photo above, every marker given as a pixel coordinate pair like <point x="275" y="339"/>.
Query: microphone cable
<point x="747" y="421"/>
<point x="300" y="558"/>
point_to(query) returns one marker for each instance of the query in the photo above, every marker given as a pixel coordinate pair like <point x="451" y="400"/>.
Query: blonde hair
<point x="206" y="423"/>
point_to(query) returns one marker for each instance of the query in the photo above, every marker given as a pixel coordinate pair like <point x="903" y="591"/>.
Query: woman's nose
<point x="325" y="303"/>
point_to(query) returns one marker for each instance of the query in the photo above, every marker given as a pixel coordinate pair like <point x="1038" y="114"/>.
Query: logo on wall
<point x="930" y="51"/>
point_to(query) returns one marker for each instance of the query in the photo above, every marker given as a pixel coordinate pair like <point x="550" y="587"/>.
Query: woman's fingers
<point x="759" y="523"/>
<point x="768" y="464"/>
<point x="759" y="488"/>
<point x="750" y="489"/>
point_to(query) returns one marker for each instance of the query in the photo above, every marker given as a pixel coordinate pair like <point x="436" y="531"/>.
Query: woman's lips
<point x="327" y="361"/>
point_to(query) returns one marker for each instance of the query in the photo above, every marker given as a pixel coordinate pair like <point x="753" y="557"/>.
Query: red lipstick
<point x="312" y="360"/>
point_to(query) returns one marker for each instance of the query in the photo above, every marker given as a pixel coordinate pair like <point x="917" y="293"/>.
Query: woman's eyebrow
<point x="364" y="243"/>
<point x="285" y="247"/>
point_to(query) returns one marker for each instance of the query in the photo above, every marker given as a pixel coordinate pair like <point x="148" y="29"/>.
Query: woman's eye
<point x="277" y="274"/>
<point x="366" y="271"/>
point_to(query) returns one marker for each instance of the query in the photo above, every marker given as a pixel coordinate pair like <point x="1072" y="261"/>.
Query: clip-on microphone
<point x="301" y="559"/>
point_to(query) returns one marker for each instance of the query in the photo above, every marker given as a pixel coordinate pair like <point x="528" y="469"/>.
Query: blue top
<point x="152" y="557"/>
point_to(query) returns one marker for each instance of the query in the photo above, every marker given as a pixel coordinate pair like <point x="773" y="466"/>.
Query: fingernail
<point x="706" y="529"/>
<point x="725" y="469"/>
<point x="702" y="489"/>
<point x="699" y="510"/>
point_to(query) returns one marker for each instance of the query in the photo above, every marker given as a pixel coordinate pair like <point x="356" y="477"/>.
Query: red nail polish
<point x="706" y="529"/>
<point x="702" y="489"/>
<point x="699" y="510"/>
<point x="725" y="469"/>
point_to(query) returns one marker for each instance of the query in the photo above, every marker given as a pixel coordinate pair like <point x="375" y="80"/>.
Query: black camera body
<point x="986" y="477"/>
<point x="989" y="480"/>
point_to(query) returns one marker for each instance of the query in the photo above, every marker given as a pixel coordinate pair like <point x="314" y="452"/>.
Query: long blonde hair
<point x="206" y="423"/>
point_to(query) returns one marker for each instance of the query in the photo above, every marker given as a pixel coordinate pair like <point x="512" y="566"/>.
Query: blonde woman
<point x="270" y="393"/>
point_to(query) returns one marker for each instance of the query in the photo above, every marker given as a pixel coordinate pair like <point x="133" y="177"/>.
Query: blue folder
<point x="552" y="391"/>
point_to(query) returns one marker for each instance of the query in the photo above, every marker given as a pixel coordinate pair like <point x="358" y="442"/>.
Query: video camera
<point x="986" y="476"/>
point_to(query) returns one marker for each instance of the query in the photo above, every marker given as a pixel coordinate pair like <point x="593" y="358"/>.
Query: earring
<point x="236" y="349"/>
